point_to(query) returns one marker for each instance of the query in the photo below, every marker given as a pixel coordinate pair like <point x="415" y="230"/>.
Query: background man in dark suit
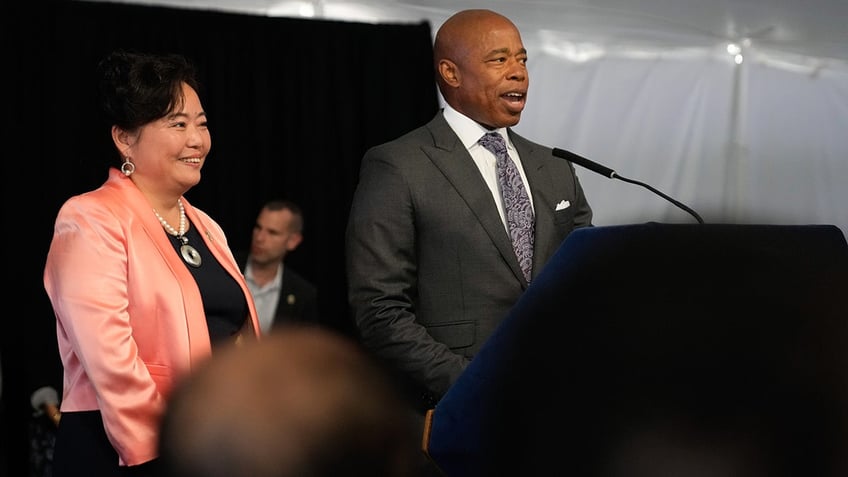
<point x="430" y="265"/>
<point x="280" y="293"/>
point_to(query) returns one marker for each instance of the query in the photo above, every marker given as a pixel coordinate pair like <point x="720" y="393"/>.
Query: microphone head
<point x="582" y="161"/>
<point x="43" y="396"/>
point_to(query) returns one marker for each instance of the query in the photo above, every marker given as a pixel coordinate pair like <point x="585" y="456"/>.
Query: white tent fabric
<point x="748" y="143"/>
<point x="648" y="88"/>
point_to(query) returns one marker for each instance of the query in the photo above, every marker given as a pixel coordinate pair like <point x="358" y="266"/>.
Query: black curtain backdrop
<point x="293" y="104"/>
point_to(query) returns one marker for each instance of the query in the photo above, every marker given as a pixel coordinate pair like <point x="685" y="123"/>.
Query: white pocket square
<point x="563" y="204"/>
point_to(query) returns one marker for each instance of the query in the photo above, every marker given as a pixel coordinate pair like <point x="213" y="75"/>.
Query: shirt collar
<point x="468" y="130"/>
<point x="276" y="282"/>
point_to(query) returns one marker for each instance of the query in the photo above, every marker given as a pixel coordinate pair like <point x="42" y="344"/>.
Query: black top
<point x="223" y="299"/>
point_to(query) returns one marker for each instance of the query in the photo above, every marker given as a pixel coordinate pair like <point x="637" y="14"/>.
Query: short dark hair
<point x="303" y="401"/>
<point x="284" y="204"/>
<point x="138" y="88"/>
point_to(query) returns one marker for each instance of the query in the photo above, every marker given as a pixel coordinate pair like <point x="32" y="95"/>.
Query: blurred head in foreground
<point x="301" y="402"/>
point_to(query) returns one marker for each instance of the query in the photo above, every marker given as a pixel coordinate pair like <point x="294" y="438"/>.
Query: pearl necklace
<point x="189" y="253"/>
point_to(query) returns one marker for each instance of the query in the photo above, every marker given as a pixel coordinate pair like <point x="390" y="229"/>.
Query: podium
<point x="643" y="349"/>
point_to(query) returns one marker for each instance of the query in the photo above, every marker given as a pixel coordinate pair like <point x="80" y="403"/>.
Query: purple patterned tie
<point x="516" y="202"/>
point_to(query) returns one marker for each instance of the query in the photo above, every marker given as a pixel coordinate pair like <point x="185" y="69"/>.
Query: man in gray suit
<point x="430" y="265"/>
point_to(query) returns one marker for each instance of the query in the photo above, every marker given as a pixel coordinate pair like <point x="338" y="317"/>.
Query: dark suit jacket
<point x="430" y="268"/>
<point x="298" y="301"/>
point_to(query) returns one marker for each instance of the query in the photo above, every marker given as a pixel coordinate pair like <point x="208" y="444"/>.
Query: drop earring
<point x="127" y="167"/>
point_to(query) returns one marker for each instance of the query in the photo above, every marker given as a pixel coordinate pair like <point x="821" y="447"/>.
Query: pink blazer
<point x="130" y="319"/>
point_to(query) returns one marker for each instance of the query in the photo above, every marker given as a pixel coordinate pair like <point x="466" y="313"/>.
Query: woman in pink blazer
<point x="143" y="285"/>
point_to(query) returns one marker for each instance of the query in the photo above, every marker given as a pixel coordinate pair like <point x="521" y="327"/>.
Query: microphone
<point x="611" y="174"/>
<point x="46" y="400"/>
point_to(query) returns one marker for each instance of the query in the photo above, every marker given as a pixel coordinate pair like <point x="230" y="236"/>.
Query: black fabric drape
<point x="293" y="104"/>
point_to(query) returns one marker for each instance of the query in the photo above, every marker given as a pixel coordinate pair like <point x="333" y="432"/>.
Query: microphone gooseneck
<point x="611" y="174"/>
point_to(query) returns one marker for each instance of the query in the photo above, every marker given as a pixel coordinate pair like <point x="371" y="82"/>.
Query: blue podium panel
<point x="644" y="349"/>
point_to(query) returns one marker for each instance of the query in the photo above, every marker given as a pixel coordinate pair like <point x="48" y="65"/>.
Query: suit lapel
<point x="450" y="156"/>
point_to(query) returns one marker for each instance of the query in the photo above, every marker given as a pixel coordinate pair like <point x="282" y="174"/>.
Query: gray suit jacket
<point x="431" y="270"/>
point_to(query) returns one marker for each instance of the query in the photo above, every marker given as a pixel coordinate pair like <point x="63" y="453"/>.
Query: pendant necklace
<point x="189" y="253"/>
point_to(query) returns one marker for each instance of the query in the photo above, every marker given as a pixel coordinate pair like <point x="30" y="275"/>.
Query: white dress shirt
<point x="265" y="297"/>
<point x="469" y="132"/>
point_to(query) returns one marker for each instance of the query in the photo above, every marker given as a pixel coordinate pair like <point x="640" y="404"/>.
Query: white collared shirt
<point x="265" y="297"/>
<point x="469" y="132"/>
